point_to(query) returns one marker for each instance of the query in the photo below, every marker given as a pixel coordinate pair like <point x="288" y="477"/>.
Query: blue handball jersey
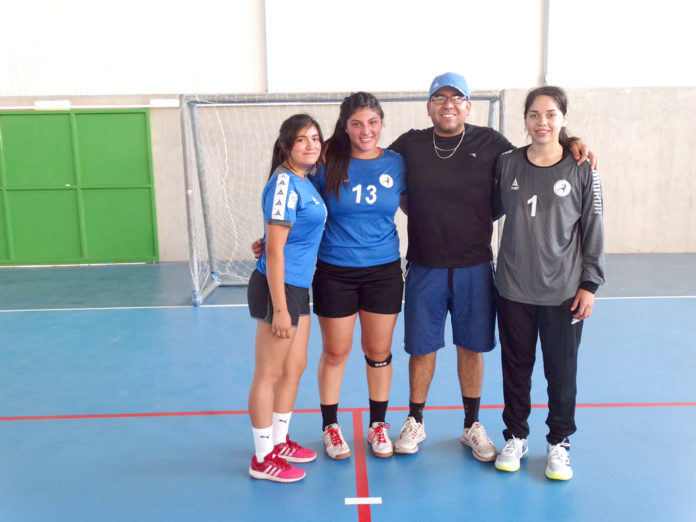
<point x="292" y="201"/>
<point x="360" y="229"/>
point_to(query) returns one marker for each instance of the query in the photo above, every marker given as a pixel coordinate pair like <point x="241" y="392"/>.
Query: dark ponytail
<point x="338" y="148"/>
<point x="286" y="138"/>
<point x="561" y="99"/>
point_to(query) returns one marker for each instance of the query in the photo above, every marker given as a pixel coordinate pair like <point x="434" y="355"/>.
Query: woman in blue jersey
<point x="550" y="263"/>
<point x="278" y="296"/>
<point x="359" y="266"/>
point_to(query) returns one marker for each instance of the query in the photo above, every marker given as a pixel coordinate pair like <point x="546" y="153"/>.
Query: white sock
<point x="263" y="442"/>
<point x="281" y="424"/>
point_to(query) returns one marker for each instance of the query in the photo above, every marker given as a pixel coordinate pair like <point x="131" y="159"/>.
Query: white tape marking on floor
<point x="645" y="297"/>
<point x="107" y="308"/>
<point x="363" y="500"/>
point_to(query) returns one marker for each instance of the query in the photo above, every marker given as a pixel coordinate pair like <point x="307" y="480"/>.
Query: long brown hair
<point x="286" y="137"/>
<point x="338" y="148"/>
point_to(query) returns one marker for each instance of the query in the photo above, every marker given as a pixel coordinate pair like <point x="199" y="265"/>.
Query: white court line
<point x="244" y="305"/>
<point x="352" y="501"/>
<point x="645" y="297"/>
<point x="160" y="307"/>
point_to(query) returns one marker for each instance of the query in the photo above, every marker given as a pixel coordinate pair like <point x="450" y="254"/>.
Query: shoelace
<point x="294" y="446"/>
<point x="410" y="428"/>
<point x="275" y="460"/>
<point x="335" y="437"/>
<point x="379" y="433"/>
<point x="511" y="446"/>
<point x="477" y="431"/>
<point x="560" y="451"/>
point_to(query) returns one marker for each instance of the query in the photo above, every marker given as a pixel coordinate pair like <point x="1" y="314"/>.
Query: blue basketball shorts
<point x="467" y="294"/>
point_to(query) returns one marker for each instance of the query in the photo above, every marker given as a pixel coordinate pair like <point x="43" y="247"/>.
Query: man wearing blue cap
<point x="450" y="173"/>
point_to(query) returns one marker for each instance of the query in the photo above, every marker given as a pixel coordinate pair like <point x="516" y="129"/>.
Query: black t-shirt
<point x="450" y="201"/>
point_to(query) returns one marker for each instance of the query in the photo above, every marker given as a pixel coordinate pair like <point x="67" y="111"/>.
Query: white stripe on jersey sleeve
<point x="280" y="197"/>
<point x="597" y="193"/>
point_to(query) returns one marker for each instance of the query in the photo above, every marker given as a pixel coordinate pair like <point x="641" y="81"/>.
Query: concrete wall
<point x="610" y="55"/>
<point x="644" y="138"/>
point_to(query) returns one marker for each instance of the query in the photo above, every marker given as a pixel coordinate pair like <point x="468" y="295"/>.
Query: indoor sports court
<point x="121" y="401"/>
<point x="135" y="142"/>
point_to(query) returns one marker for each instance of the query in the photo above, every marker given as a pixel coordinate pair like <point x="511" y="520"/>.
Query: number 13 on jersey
<point x="370" y="198"/>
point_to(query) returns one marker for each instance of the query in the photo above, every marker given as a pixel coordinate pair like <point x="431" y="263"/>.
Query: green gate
<point x="76" y="187"/>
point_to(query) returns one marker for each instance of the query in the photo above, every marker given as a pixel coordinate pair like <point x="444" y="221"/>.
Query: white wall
<point x="92" y="47"/>
<point x="78" y="47"/>
<point x="621" y="43"/>
<point x="395" y="45"/>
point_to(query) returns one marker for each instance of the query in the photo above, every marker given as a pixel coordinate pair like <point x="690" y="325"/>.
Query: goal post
<point x="227" y="142"/>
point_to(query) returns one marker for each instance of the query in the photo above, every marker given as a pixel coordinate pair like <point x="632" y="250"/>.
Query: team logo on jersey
<point x="514" y="185"/>
<point x="561" y="188"/>
<point x="315" y="200"/>
<point x="386" y="181"/>
<point x="292" y="200"/>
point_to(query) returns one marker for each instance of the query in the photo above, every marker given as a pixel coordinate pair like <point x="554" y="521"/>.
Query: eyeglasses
<point x="440" y="99"/>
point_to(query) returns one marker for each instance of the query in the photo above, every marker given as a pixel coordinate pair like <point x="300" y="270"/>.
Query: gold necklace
<point x="451" y="151"/>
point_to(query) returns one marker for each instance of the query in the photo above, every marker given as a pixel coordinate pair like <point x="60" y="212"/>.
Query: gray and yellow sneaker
<point x="509" y="457"/>
<point x="558" y="461"/>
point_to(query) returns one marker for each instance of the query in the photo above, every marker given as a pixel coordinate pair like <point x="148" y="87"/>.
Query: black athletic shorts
<point x="261" y="306"/>
<point x="340" y="291"/>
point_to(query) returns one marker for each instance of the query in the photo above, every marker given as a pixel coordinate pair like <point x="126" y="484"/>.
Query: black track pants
<point x="519" y="325"/>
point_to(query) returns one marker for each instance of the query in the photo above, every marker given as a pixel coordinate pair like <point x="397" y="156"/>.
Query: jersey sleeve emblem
<point x="386" y="181"/>
<point x="561" y="188"/>
<point x="292" y="200"/>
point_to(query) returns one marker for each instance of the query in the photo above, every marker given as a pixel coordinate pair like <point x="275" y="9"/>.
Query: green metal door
<point x="76" y="187"/>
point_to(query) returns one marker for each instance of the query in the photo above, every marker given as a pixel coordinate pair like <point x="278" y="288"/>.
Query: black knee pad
<point x="376" y="364"/>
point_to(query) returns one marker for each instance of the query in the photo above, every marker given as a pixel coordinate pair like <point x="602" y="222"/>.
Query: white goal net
<point x="227" y="143"/>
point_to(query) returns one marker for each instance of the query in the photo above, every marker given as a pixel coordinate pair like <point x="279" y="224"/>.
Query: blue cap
<point x="450" y="79"/>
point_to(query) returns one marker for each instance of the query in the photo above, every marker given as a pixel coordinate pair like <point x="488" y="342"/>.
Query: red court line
<point x="354" y="411"/>
<point x="361" y="485"/>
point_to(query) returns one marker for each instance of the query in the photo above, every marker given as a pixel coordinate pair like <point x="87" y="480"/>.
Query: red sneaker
<point x="275" y="469"/>
<point x="293" y="452"/>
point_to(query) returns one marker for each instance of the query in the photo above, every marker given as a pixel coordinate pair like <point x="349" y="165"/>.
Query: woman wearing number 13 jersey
<point x="359" y="266"/>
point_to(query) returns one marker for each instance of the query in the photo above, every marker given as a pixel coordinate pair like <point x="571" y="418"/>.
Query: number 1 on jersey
<point x="533" y="201"/>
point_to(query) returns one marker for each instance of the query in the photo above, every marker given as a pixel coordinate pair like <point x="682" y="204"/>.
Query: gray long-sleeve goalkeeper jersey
<point x="553" y="237"/>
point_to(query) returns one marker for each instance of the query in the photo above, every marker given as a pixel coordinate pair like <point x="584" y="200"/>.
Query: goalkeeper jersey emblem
<point x="561" y="188"/>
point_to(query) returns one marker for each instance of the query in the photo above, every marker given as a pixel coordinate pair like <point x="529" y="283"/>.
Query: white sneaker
<point x="558" y="461"/>
<point x="509" y="457"/>
<point x="477" y="439"/>
<point x="336" y="446"/>
<point x="378" y="437"/>
<point x="411" y="434"/>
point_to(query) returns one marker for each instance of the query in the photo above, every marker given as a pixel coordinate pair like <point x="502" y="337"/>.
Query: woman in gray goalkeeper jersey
<point x="550" y="263"/>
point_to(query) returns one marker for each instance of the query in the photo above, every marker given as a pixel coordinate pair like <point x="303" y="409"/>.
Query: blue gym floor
<point x="121" y="402"/>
